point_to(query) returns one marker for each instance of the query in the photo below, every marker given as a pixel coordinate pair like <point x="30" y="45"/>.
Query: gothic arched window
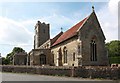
<point x="74" y="56"/>
<point x="53" y="56"/>
<point x="93" y="50"/>
<point x="65" y="54"/>
<point x="78" y="49"/>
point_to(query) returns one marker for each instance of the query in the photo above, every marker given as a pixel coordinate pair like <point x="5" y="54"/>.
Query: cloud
<point x="54" y="0"/>
<point x="108" y="17"/>
<point x="113" y="6"/>
<point x="56" y="21"/>
<point x="12" y="32"/>
<point x="20" y="33"/>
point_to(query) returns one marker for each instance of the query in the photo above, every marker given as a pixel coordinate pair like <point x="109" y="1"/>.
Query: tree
<point x="9" y="57"/>
<point x="114" y="51"/>
<point x="113" y="48"/>
<point x="4" y="61"/>
<point x="17" y="50"/>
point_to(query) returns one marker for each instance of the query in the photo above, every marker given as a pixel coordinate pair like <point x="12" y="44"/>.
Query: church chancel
<point x="81" y="45"/>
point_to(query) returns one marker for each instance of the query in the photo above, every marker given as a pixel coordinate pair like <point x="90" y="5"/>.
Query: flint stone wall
<point x="83" y="72"/>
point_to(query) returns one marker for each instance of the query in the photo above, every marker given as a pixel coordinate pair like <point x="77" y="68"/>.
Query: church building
<point x="81" y="45"/>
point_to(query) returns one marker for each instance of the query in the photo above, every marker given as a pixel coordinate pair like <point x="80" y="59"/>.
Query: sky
<point x="18" y="18"/>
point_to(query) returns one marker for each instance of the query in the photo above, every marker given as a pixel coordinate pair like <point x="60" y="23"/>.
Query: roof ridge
<point x="83" y="23"/>
<point x="70" y="32"/>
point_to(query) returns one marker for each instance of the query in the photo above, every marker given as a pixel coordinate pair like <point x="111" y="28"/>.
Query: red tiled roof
<point x="69" y="33"/>
<point x="56" y="37"/>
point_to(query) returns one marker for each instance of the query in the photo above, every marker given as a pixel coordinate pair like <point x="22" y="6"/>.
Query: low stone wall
<point x="83" y="72"/>
<point x="98" y="72"/>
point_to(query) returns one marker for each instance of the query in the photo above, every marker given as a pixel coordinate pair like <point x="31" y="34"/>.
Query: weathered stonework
<point x="20" y="58"/>
<point x="41" y="34"/>
<point x="35" y="54"/>
<point x="90" y="30"/>
<point x="82" y="72"/>
<point x="82" y="45"/>
<point x="71" y="46"/>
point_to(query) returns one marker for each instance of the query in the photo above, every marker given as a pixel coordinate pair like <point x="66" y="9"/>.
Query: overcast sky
<point x="17" y="20"/>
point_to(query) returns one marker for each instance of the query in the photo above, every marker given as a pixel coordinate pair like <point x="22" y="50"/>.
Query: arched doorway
<point x="42" y="59"/>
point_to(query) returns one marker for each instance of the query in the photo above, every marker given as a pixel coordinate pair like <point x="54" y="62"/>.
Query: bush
<point x="114" y="60"/>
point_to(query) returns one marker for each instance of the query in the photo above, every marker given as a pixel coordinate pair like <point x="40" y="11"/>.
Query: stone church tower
<point x="38" y="55"/>
<point x="81" y="45"/>
<point x="41" y="34"/>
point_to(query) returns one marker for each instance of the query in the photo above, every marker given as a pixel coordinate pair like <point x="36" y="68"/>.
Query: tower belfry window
<point x="93" y="51"/>
<point x="43" y="30"/>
